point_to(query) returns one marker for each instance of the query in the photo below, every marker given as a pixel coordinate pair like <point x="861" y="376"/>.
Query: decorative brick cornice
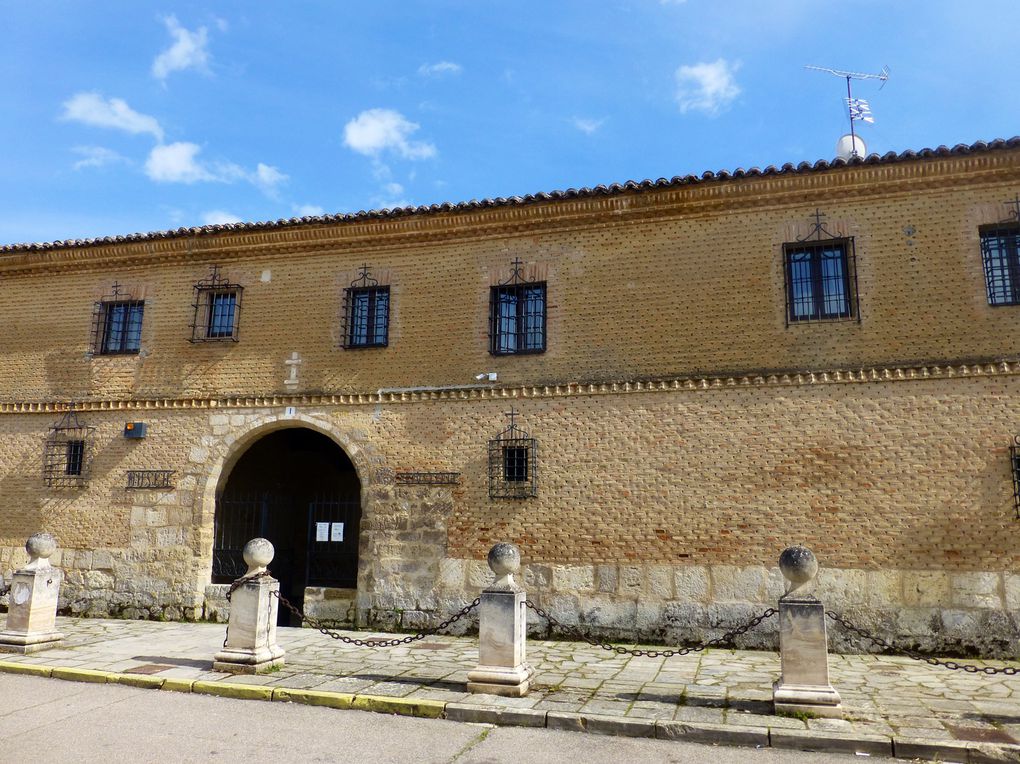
<point x="870" y="375"/>
<point x="632" y="202"/>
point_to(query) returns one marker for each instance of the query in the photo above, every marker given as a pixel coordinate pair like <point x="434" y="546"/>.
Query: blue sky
<point x="123" y="117"/>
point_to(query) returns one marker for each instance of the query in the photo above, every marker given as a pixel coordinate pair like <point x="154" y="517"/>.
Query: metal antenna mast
<point x="865" y="114"/>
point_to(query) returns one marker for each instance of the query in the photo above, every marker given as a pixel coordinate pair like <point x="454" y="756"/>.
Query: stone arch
<point x="224" y="452"/>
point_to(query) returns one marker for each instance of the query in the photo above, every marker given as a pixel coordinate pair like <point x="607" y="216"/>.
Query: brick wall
<point x="682" y="426"/>
<point x="658" y="284"/>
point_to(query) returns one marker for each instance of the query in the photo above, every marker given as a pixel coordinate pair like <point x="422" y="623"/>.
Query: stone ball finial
<point x="258" y="553"/>
<point x="40" y="547"/>
<point x="504" y="561"/>
<point x="799" y="567"/>
<point x="504" y="558"/>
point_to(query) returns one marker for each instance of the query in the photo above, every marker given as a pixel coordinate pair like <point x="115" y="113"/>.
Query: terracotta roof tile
<point x="570" y="193"/>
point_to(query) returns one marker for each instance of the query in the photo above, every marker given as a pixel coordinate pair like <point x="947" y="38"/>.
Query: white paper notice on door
<point x="322" y="531"/>
<point x="336" y="532"/>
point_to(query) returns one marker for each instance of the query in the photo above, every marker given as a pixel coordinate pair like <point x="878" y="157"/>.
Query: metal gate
<point x="333" y="541"/>
<point x="242" y="516"/>
<point x="319" y="540"/>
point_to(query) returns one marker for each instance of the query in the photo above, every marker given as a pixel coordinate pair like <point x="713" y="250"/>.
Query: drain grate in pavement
<point x="148" y="668"/>
<point x="431" y="646"/>
<point x="979" y="734"/>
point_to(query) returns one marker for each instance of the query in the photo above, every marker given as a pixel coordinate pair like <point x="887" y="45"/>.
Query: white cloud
<point x="219" y="217"/>
<point x="267" y="178"/>
<point x="93" y="109"/>
<point x="308" y="210"/>
<point x="439" y="68"/>
<point x="177" y="163"/>
<point x="378" y="130"/>
<point x="188" y="50"/>
<point x="95" y="156"/>
<point x="393" y="189"/>
<point x="706" y="87"/>
<point x="586" y="125"/>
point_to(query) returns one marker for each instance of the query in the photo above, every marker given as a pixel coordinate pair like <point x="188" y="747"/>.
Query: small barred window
<point x="513" y="463"/>
<point x="117" y="324"/>
<point x="517" y="311"/>
<point x="1000" y="253"/>
<point x="820" y="276"/>
<point x="366" y="313"/>
<point x="67" y="453"/>
<point x="217" y="309"/>
<point x="819" y="283"/>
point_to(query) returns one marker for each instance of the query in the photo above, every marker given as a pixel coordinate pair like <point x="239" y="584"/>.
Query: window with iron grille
<point x="517" y="315"/>
<point x="119" y="327"/>
<point x="217" y="309"/>
<point x="821" y="280"/>
<point x="366" y="313"/>
<point x="369" y="317"/>
<point x="513" y="463"/>
<point x="67" y="453"/>
<point x="1000" y="252"/>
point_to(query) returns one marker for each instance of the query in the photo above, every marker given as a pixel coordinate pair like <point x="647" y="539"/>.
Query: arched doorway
<point x="297" y="488"/>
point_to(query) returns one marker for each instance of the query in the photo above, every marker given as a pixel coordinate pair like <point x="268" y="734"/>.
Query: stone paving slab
<point x="892" y="705"/>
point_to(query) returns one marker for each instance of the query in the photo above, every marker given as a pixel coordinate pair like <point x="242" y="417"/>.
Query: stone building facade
<point x="701" y="371"/>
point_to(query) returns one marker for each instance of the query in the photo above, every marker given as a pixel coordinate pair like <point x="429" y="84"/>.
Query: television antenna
<point x="858" y="108"/>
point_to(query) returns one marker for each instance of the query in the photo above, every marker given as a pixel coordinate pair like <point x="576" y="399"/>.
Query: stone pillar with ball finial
<point x="502" y="630"/>
<point x="32" y="609"/>
<point x="803" y="686"/>
<point x="250" y="646"/>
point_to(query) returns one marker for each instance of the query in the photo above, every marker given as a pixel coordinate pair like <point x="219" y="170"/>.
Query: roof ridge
<point x="542" y="196"/>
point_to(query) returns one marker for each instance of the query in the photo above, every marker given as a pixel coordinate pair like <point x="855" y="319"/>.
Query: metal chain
<point x="619" y="649"/>
<point x="245" y="580"/>
<point x="970" y="668"/>
<point x="5" y="590"/>
<point x="317" y="624"/>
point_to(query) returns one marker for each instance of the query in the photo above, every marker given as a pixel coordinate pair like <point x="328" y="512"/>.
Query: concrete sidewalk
<point x="894" y="706"/>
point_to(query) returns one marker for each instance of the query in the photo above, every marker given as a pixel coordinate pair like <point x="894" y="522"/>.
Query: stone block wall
<point x="975" y="613"/>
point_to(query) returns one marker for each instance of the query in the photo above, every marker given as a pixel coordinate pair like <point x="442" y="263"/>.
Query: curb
<point x="595" y="724"/>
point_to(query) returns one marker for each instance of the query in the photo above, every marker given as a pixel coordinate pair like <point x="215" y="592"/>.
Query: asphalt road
<point x="57" y="721"/>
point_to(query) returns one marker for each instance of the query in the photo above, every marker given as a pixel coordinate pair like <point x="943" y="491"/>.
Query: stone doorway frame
<point x="224" y="453"/>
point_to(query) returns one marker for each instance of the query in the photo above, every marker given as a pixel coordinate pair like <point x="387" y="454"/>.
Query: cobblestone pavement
<point x="890" y="697"/>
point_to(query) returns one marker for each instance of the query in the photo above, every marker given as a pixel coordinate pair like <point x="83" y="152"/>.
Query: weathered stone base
<point x="971" y="614"/>
<point x="494" y="680"/>
<point x="814" y="700"/>
<point x="248" y="661"/>
<point x="331" y="604"/>
<point x="23" y="644"/>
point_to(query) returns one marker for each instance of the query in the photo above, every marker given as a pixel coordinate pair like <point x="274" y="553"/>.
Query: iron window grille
<point x="366" y="313"/>
<point x="820" y="276"/>
<point x="217" y="309"/>
<point x="513" y="463"/>
<point x="1014" y="458"/>
<point x="67" y="453"/>
<point x="117" y="324"/>
<point x="1000" y="253"/>
<point x="517" y="311"/>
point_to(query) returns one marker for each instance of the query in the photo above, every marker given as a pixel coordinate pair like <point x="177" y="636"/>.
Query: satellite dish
<point x="850" y="146"/>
